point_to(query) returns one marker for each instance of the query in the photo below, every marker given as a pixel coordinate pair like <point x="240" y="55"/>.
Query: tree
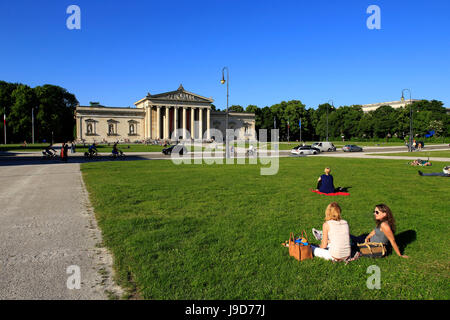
<point x="384" y="121"/>
<point x="6" y="102"/>
<point x="235" y="108"/>
<point x="53" y="111"/>
<point x="20" y="121"/>
<point x="56" y="112"/>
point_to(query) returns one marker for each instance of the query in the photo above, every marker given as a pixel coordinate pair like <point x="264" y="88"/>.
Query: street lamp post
<point x="227" y="152"/>
<point x="32" y="125"/>
<point x="332" y="103"/>
<point x="410" y="118"/>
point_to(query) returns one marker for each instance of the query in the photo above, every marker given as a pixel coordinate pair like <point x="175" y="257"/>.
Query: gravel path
<point x="46" y="226"/>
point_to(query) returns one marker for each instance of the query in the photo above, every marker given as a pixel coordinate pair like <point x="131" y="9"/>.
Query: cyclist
<point x="92" y="150"/>
<point x="115" y="151"/>
<point x="50" y="151"/>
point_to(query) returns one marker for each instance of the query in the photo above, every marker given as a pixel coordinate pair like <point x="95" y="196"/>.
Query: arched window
<point x="89" y="128"/>
<point x="132" y="131"/>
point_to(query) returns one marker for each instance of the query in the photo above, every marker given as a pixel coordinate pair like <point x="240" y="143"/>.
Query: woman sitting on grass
<point x="335" y="236"/>
<point x="384" y="230"/>
<point x="325" y="183"/>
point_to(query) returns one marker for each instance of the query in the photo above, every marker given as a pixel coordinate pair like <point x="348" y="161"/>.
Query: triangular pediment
<point x="179" y="95"/>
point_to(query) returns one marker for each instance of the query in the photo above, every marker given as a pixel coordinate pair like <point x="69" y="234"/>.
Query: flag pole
<point x="4" y="125"/>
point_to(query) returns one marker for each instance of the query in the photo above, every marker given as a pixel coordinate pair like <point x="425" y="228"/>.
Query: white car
<point x="324" y="146"/>
<point x="304" y="150"/>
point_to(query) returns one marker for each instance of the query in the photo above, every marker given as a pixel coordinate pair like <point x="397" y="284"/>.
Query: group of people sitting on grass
<point x="337" y="244"/>
<point x="420" y="162"/>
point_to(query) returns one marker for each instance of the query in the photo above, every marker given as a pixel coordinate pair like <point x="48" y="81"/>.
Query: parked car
<point x="351" y="148"/>
<point x="181" y="149"/>
<point x="324" y="146"/>
<point x="305" y="150"/>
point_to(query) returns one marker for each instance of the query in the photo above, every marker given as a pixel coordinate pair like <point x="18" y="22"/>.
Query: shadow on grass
<point x="405" y="238"/>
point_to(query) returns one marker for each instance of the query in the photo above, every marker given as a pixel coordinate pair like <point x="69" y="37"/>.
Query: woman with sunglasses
<point x="384" y="230"/>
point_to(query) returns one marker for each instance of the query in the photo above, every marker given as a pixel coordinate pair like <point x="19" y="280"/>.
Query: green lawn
<point x="18" y="147"/>
<point x="215" y="231"/>
<point x="418" y="154"/>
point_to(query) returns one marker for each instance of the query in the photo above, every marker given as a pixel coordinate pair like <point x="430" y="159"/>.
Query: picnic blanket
<point x="332" y="194"/>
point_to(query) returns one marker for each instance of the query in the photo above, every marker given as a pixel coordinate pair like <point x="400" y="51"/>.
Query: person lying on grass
<point x="335" y="244"/>
<point x="384" y="230"/>
<point x="325" y="183"/>
<point x="445" y="173"/>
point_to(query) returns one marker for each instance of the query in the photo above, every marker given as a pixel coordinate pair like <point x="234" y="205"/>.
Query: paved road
<point x="45" y="227"/>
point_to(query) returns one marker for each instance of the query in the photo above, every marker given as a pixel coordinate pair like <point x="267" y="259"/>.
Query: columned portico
<point x="176" y="104"/>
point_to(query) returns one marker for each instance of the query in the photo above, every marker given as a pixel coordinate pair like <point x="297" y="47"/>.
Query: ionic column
<point x="192" y="123"/>
<point x="200" y="123"/>
<point x="184" y="123"/>
<point x="166" y="124"/>
<point x="158" y="122"/>
<point x="208" y="117"/>
<point x="145" y="122"/>
<point x="175" y="121"/>
<point x="149" y="122"/>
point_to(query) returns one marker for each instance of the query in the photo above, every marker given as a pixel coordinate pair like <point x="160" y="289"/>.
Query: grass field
<point x="18" y="147"/>
<point x="215" y="231"/>
<point x="419" y="154"/>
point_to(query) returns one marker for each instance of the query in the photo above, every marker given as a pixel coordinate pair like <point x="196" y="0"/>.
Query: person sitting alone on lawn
<point x="325" y="183"/>
<point x="335" y="236"/>
<point x="384" y="230"/>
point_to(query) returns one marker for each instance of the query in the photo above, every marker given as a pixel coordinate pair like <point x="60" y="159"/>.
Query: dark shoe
<point x="420" y="173"/>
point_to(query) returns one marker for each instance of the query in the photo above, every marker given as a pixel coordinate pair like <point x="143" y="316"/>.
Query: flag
<point x="300" y="123"/>
<point x="288" y="123"/>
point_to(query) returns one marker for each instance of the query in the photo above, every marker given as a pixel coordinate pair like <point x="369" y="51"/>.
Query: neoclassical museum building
<point x="158" y="116"/>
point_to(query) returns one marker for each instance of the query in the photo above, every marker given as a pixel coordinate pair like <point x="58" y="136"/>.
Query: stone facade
<point x="174" y="115"/>
<point x="393" y="104"/>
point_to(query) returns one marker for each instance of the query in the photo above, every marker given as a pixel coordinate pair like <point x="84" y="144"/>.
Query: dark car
<point x="352" y="148"/>
<point x="181" y="149"/>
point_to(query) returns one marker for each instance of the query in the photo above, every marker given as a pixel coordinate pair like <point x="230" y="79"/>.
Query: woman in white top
<point x="335" y="243"/>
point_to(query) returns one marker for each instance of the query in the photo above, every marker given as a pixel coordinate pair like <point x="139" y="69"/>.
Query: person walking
<point x="64" y="151"/>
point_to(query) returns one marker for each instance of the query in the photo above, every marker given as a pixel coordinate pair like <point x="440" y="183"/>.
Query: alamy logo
<point x="374" y="281"/>
<point x="374" y="21"/>
<point x="74" y="280"/>
<point x="74" y="20"/>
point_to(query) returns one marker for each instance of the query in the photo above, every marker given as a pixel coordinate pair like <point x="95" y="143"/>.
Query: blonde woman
<point x="335" y="244"/>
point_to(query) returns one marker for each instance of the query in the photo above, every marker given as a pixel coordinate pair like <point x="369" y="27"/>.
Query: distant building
<point x="393" y="104"/>
<point x="159" y="116"/>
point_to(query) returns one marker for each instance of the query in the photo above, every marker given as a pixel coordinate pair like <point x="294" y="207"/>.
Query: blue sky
<point x="312" y="51"/>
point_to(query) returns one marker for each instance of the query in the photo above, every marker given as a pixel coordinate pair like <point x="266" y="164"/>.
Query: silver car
<point x="352" y="148"/>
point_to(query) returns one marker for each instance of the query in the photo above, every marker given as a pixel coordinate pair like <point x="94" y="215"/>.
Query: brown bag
<point x="372" y="249"/>
<point x="298" y="250"/>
